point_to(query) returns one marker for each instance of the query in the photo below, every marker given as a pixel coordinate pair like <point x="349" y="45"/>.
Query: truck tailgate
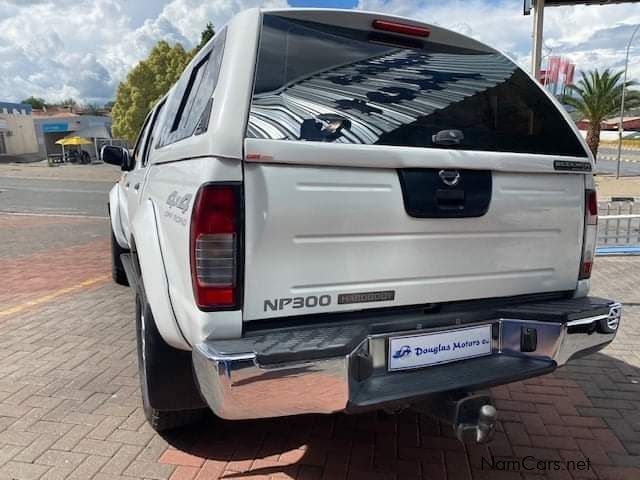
<point x="323" y="239"/>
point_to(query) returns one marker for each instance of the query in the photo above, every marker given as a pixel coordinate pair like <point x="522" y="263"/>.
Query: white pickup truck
<point x="343" y="211"/>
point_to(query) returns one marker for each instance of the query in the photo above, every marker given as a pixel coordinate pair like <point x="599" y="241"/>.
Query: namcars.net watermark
<point x="533" y="464"/>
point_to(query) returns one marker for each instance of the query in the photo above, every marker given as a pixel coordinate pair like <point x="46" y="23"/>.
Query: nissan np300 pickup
<point x="343" y="211"/>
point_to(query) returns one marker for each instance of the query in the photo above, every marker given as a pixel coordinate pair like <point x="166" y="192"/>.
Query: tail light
<point x="590" y="233"/>
<point x="404" y="28"/>
<point x="215" y="247"/>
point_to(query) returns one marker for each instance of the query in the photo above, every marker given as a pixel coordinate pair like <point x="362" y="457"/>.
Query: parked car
<point x="345" y="211"/>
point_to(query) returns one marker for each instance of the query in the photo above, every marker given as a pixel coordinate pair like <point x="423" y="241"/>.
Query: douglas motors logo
<point x="405" y="350"/>
<point x="402" y="352"/>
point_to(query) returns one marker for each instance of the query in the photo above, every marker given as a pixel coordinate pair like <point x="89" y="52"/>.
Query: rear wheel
<point x="117" y="270"/>
<point x="170" y="397"/>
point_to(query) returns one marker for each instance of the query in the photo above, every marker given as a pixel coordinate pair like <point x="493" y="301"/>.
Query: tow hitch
<point x="471" y="415"/>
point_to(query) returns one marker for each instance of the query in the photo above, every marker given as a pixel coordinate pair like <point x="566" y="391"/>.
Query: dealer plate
<point x="428" y="349"/>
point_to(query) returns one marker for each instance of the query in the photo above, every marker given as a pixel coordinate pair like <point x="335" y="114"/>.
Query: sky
<point x="57" y="49"/>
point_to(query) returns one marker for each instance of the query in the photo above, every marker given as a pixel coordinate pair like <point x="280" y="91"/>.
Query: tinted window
<point x="317" y="82"/>
<point x="140" y="141"/>
<point x="172" y="105"/>
<point x="195" y="92"/>
<point x="153" y="132"/>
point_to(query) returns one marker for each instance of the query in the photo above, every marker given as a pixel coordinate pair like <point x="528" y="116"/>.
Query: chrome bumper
<point x="237" y="386"/>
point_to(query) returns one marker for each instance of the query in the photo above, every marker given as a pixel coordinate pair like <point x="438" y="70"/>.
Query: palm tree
<point x="597" y="96"/>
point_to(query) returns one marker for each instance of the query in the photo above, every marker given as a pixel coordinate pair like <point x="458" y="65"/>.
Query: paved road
<point x="607" y="151"/>
<point x="607" y="161"/>
<point x="70" y="404"/>
<point x="64" y="197"/>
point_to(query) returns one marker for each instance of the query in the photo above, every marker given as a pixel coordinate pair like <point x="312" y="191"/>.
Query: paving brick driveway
<point x="70" y="407"/>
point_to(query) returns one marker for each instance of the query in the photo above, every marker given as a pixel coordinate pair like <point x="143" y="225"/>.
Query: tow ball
<point x="476" y="421"/>
<point x="472" y="416"/>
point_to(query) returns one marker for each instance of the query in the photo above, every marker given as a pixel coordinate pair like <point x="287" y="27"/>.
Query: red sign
<point x="554" y="68"/>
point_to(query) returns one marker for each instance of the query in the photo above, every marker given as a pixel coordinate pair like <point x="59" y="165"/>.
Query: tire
<point x="118" y="274"/>
<point x="170" y="398"/>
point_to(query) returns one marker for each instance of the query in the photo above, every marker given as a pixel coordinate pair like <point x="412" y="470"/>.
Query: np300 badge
<point x="310" y="301"/>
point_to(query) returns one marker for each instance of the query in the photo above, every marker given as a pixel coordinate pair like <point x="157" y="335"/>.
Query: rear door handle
<point x="136" y="187"/>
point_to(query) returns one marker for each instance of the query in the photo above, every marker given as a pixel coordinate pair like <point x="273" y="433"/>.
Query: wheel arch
<point x="148" y="260"/>
<point x="113" y="205"/>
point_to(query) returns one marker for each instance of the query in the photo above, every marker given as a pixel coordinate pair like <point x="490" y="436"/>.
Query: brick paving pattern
<point x="70" y="404"/>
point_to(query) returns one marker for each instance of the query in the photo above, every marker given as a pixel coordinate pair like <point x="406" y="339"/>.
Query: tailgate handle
<point x="445" y="193"/>
<point x="450" y="199"/>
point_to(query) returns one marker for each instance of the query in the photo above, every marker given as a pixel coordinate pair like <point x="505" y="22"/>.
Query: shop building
<point x="18" y="142"/>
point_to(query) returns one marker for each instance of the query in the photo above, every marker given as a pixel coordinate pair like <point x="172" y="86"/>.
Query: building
<point x="629" y="124"/>
<point x="18" y="142"/>
<point x="53" y="124"/>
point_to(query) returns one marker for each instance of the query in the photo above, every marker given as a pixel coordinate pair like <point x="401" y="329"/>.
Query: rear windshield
<point x="316" y="82"/>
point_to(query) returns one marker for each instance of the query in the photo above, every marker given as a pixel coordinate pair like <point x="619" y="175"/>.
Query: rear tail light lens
<point x="215" y="246"/>
<point x="404" y="28"/>
<point x="590" y="234"/>
<point x="591" y="207"/>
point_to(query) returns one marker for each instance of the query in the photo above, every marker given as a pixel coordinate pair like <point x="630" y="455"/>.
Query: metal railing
<point x="619" y="225"/>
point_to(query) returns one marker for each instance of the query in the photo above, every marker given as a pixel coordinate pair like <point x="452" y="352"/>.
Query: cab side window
<point x="154" y="128"/>
<point x="140" y="141"/>
<point x="189" y="107"/>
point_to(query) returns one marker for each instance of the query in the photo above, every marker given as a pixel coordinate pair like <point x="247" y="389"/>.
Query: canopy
<point x="96" y="131"/>
<point x="74" y="141"/>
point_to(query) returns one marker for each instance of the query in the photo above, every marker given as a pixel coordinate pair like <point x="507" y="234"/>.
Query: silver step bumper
<point x="237" y="386"/>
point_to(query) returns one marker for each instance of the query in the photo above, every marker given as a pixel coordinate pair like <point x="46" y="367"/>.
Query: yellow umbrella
<point x="74" y="141"/>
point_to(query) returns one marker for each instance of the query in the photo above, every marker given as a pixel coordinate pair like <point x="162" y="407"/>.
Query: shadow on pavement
<point x="589" y="409"/>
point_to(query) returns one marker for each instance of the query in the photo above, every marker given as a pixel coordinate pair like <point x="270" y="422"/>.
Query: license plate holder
<point x="435" y="348"/>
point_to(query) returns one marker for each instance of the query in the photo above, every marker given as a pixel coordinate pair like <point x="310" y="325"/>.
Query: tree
<point x="92" y="108"/>
<point x="597" y="96"/>
<point x="69" y="102"/>
<point x="144" y="86"/>
<point x="148" y="82"/>
<point x="35" y="102"/>
<point x="207" y="34"/>
<point x="632" y="97"/>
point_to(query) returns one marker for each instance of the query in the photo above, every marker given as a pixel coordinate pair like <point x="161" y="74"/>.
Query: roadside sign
<point x="562" y="3"/>
<point x="528" y="5"/>
<point x="55" y="127"/>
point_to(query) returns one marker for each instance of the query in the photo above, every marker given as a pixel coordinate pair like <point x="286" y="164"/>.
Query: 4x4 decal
<point x="181" y="202"/>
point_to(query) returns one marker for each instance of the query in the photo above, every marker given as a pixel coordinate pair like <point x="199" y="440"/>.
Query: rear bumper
<point x="330" y="368"/>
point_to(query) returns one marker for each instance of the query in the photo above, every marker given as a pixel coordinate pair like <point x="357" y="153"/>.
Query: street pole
<point x="624" y="84"/>
<point x="538" y="26"/>
<point x="546" y="74"/>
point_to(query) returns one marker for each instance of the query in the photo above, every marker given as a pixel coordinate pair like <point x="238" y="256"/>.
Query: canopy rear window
<point x="316" y="82"/>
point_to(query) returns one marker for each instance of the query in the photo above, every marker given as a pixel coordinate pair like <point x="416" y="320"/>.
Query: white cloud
<point x="83" y="48"/>
<point x="591" y="36"/>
